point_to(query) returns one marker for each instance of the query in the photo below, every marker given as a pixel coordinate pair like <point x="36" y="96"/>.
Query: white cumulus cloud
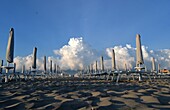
<point x="76" y="54"/>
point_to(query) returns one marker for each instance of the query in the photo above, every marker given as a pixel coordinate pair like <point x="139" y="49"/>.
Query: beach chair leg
<point x="128" y="77"/>
<point x="149" y="77"/>
<point x="118" y="78"/>
<point x="6" y="75"/>
<point x="32" y="77"/>
<point x="133" y="77"/>
<point x="9" y="78"/>
<point x="15" y="77"/>
<point x="112" y="78"/>
<point x="107" y="77"/>
<point x="19" y="77"/>
<point x="46" y="76"/>
<point x="156" y="76"/>
<point x="1" y="78"/>
<point x="25" y="77"/>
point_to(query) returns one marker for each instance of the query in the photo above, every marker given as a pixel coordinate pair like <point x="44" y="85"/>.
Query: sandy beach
<point x="85" y="94"/>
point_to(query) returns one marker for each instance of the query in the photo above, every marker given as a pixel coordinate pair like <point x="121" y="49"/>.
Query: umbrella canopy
<point x="88" y="69"/>
<point x="96" y="69"/>
<point x="102" y="63"/>
<point x="10" y="47"/>
<point x="1" y="64"/>
<point x="51" y="66"/>
<point x="153" y="64"/>
<point x="159" y="68"/>
<point x="55" y="67"/>
<point x="45" y="68"/>
<point x="139" y="56"/>
<point x="14" y="67"/>
<point x="34" y="58"/>
<point x="58" y="69"/>
<point x="91" y="68"/>
<point x="113" y="60"/>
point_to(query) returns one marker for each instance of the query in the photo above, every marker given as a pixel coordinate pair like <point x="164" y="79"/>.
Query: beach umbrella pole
<point x="7" y="72"/>
<point x="1" y="75"/>
<point x="140" y="77"/>
<point x="32" y="75"/>
<point x="25" y="76"/>
<point x="1" y="78"/>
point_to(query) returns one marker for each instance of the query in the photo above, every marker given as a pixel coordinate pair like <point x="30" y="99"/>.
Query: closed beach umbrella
<point x="159" y="68"/>
<point x="113" y="60"/>
<point x="55" y="67"/>
<point x="96" y="69"/>
<point x="14" y="67"/>
<point x="58" y="69"/>
<point x="139" y="56"/>
<point x="34" y="58"/>
<point x="91" y="68"/>
<point x="153" y="64"/>
<point x="51" y="66"/>
<point x="10" y="47"/>
<point x="102" y="63"/>
<point x="1" y="64"/>
<point x="45" y="68"/>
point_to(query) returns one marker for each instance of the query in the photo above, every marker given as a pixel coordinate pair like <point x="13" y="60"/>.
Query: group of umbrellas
<point x="140" y="70"/>
<point x="115" y="72"/>
<point x="11" y="65"/>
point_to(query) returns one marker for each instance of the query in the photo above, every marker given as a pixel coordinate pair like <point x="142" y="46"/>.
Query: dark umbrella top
<point x="45" y="68"/>
<point x="55" y="68"/>
<point x="102" y="63"/>
<point x="34" y="58"/>
<point x="51" y="66"/>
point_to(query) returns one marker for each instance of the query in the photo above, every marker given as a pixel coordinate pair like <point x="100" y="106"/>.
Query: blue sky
<point x="49" y="24"/>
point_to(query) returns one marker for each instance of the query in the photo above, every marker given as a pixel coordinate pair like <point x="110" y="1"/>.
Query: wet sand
<point x="85" y="94"/>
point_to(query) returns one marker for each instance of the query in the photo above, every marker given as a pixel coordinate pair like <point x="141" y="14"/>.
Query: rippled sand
<point x="85" y="94"/>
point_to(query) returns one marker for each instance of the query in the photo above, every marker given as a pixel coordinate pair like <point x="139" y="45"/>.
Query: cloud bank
<point x="78" y="54"/>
